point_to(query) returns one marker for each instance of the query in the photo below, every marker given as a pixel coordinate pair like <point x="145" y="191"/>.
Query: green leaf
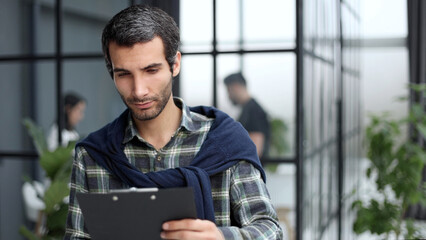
<point x="26" y="178"/>
<point x="54" y="195"/>
<point x="271" y="167"/>
<point x="418" y="87"/>
<point x="37" y="135"/>
<point x="56" y="221"/>
<point x="53" y="161"/>
<point x="368" y="172"/>
<point x="356" y="204"/>
<point x="24" y="231"/>
<point x="64" y="172"/>
<point x="422" y="129"/>
<point x="402" y="98"/>
<point x="417" y="111"/>
<point x="279" y="145"/>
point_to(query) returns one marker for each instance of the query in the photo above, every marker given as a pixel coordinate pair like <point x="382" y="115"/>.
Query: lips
<point x="144" y="105"/>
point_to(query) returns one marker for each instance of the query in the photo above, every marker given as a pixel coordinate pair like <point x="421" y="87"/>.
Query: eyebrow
<point x="145" y="68"/>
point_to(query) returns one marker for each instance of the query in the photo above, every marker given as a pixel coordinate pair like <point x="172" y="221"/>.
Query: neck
<point x="158" y="131"/>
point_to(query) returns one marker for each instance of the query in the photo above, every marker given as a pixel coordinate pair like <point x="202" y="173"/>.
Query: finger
<point x="185" y="235"/>
<point x="188" y="224"/>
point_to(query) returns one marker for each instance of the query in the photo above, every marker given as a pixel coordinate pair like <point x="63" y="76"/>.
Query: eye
<point x="152" y="70"/>
<point x="122" y="74"/>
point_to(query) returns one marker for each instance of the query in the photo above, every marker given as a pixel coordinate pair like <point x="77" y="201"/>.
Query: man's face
<point x="142" y="77"/>
<point x="233" y="90"/>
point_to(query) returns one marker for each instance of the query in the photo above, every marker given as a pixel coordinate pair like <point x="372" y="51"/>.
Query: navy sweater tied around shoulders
<point x="226" y="144"/>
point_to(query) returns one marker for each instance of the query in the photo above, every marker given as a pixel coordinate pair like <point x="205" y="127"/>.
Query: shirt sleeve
<point x="75" y="223"/>
<point x="52" y="138"/>
<point x="251" y="207"/>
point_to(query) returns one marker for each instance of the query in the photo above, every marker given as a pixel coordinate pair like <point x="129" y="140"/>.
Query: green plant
<point x="396" y="166"/>
<point x="278" y="141"/>
<point x="57" y="165"/>
<point x="279" y="145"/>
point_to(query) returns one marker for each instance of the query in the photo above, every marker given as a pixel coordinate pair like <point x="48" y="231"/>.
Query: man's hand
<point x="191" y="229"/>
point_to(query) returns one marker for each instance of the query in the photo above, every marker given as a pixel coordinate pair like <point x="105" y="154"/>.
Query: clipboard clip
<point x="133" y="189"/>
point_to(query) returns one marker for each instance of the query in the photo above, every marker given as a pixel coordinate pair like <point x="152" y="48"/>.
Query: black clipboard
<point x="134" y="213"/>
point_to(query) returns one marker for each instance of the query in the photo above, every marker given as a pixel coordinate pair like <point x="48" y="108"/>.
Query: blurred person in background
<point x="253" y="117"/>
<point x="74" y="107"/>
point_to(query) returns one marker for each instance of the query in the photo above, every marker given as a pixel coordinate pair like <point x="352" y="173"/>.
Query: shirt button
<point x="158" y="158"/>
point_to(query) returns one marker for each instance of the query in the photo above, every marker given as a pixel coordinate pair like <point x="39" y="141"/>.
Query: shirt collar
<point x="189" y="122"/>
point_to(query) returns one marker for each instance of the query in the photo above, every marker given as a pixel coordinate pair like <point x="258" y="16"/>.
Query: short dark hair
<point x="235" y="78"/>
<point x="140" y="24"/>
<point x="71" y="99"/>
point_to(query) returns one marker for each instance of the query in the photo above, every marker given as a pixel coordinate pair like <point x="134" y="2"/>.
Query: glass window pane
<point x="196" y="80"/>
<point x="271" y="81"/>
<point x="228" y="24"/>
<point x="309" y="30"/>
<point x="10" y="41"/>
<point x="381" y="66"/>
<point x="349" y="19"/>
<point x="44" y="32"/>
<point x="45" y="91"/>
<point x="331" y="20"/>
<point x="315" y="192"/>
<point x="11" y="91"/>
<point x="12" y="172"/>
<point x="227" y="64"/>
<point x="319" y="67"/>
<point x="308" y="78"/>
<point x="325" y="183"/>
<point x="196" y="25"/>
<point x="307" y="200"/>
<point x="17" y="27"/>
<point x="83" y="22"/>
<point x="281" y="183"/>
<point x="21" y="97"/>
<point x="271" y="24"/>
<point x="383" y="18"/>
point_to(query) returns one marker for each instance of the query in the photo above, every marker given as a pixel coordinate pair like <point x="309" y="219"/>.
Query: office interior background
<point x="320" y="67"/>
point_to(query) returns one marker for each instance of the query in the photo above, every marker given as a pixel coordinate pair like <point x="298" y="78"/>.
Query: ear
<point x="176" y="65"/>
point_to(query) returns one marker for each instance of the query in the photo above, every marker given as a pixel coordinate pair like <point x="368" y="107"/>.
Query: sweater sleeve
<point x="252" y="210"/>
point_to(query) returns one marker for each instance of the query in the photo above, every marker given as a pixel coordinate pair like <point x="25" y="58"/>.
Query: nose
<point x="140" y="88"/>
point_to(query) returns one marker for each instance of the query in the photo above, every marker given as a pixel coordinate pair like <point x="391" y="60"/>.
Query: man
<point x="252" y="117"/>
<point x="160" y="142"/>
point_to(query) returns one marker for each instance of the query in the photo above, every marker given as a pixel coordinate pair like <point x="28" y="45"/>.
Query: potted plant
<point x="57" y="165"/>
<point x="396" y="167"/>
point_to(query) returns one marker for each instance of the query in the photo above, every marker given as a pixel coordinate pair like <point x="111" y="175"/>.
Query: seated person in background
<point x="253" y="118"/>
<point x="158" y="141"/>
<point x="74" y="106"/>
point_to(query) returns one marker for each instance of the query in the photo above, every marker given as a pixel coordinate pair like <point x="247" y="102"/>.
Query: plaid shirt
<point x="242" y="205"/>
